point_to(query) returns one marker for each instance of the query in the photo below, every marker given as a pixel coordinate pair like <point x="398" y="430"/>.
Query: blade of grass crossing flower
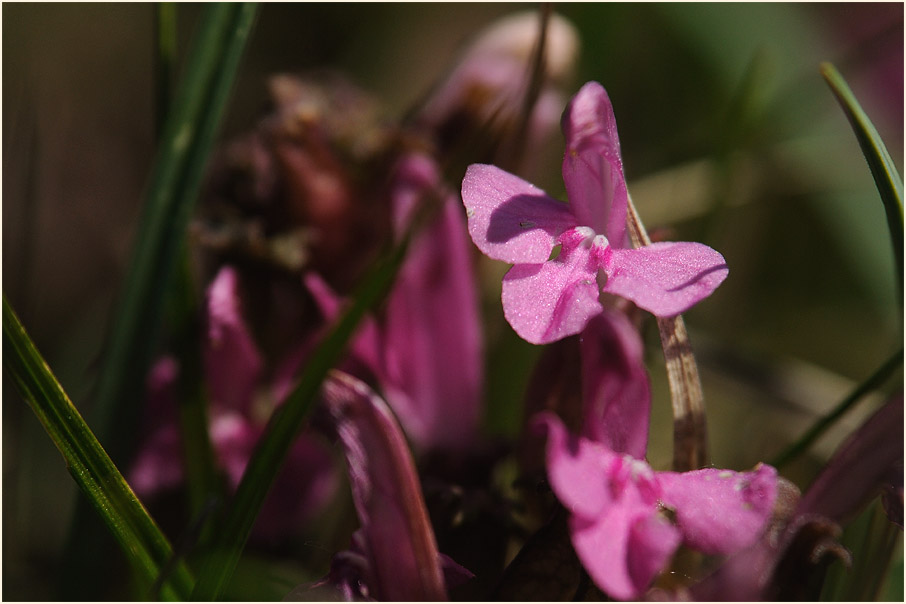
<point x="174" y="184"/>
<point x="267" y="459"/>
<point x="144" y="545"/>
<point x="884" y="171"/>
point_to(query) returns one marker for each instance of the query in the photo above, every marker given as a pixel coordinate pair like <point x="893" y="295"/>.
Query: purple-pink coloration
<point x="399" y="558"/>
<point x="240" y="401"/>
<point x="426" y="349"/>
<point x="616" y="396"/>
<point x="616" y="504"/>
<point x="548" y="296"/>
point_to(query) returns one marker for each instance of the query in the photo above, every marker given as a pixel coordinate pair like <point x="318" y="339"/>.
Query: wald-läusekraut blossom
<point x="547" y="298"/>
<point x="617" y="502"/>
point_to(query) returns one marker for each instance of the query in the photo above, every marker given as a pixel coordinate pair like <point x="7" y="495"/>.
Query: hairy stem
<point x="690" y="434"/>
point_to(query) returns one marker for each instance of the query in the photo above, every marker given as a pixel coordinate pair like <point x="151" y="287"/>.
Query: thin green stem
<point x="146" y="547"/>
<point x="820" y="427"/>
<point x="883" y="170"/>
<point x="175" y="183"/>
<point x="285" y="424"/>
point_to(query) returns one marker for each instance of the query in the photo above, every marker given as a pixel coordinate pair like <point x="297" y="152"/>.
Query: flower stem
<point x="690" y="434"/>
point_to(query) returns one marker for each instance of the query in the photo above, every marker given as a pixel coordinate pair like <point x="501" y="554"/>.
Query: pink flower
<point x="394" y="552"/>
<point x="547" y="298"/>
<point x="425" y="350"/>
<point x="617" y="502"/>
<point x="241" y="400"/>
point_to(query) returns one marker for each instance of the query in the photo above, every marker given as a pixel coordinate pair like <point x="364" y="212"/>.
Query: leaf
<point x="884" y="171"/>
<point x="175" y="182"/>
<point x="144" y="544"/>
<point x="283" y="427"/>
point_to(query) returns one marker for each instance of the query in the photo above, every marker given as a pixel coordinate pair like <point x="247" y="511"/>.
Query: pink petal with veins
<point x="592" y="165"/>
<point x="547" y="302"/>
<point x="511" y="219"/>
<point x="665" y="278"/>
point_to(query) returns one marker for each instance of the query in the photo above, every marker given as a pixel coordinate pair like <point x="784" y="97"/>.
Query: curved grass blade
<point x="141" y="540"/>
<point x="821" y="426"/>
<point x="884" y="171"/>
<point x="282" y="429"/>
<point x="175" y="182"/>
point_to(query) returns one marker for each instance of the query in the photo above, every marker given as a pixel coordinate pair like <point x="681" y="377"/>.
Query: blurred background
<point x="729" y="135"/>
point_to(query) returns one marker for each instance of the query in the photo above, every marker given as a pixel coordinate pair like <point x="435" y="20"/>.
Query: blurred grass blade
<point x="175" y="182"/>
<point x="285" y="424"/>
<point x="144" y="545"/>
<point x="821" y="426"/>
<point x="884" y="171"/>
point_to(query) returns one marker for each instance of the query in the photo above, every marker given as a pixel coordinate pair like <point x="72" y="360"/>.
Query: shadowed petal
<point x="576" y="468"/>
<point x="397" y="537"/>
<point x="869" y="460"/>
<point x="231" y="359"/>
<point x="616" y="394"/>
<point x="652" y="541"/>
<point x="547" y="302"/>
<point x="510" y="219"/>
<point x="606" y="546"/>
<point x="592" y="165"/>
<point x="433" y="337"/>
<point x="366" y="343"/>
<point x="665" y="278"/>
<point x="720" y="511"/>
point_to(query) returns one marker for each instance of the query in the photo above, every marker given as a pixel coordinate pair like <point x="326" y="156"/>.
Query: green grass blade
<point x="175" y="184"/>
<point x="884" y="171"/>
<point x="94" y="472"/>
<point x="285" y="424"/>
<point x="821" y="426"/>
<point x="195" y="113"/>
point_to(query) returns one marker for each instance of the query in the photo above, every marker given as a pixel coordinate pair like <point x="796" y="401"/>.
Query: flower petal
<point x="576" y="468"/>
<point x="433" y="337"/>
<point x="652" y="541"/>
<point x="616" y="393"/>
<point x="624" y="547"/>
<point x="232" y="362"/>
<point x="869" y="460"/>
<point x="665" y="278"/>
<point x="720" y="511"/>
<point x="592" y="165"/>
<point x="547" y="302"/>
<point x="397" y="537"/>
<point x="510" y="219"/>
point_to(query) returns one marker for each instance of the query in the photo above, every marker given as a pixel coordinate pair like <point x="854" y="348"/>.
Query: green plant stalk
<point x="95" y="473"/>
<point x="883" y="170"/>
<point x="820" y="427"/>
<point x="174" y="185"/>
<point x="285" y="424"/>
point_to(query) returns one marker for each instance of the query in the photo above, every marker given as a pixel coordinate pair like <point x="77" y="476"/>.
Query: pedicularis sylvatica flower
<point x="546" y="299"/>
